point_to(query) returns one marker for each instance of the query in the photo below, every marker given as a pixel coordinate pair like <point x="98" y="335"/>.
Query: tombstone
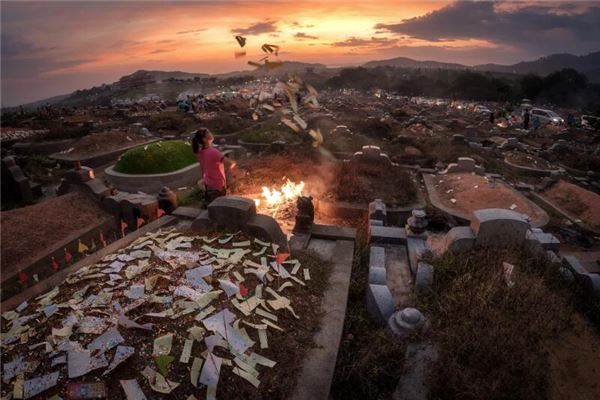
<point x="458" y="139"/>
<point x="404" y="322"/>
<point x="377" y="211"/>
<point x="231" y="212"/>
<point x="496" y="227"/>
<point x="265" y="228"/>
<point x="417" y="222"/>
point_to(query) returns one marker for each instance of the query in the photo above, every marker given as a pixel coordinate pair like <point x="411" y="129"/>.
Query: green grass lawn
<point x="157" y="158"/>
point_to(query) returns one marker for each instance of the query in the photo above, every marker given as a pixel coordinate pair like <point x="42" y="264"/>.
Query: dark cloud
<point x="302" y="35"/>
<point x="192" y="31"/>
<point x="528" y="27"/>
<point x="257" y="28"/>
<point x="13" y="46"/>
<point x="364" y="42"/>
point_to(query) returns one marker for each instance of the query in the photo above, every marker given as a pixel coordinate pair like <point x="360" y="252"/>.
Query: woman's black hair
<point x="198" y="139"/>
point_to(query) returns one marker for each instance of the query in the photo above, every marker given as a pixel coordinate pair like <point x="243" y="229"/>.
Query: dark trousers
<point x="212" y="194"/>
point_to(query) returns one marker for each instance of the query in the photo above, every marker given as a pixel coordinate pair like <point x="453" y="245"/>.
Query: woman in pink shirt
<point x="212" y="162"/>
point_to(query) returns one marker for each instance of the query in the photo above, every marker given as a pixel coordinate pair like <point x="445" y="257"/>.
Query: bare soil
<point x="474" y="192"/>
<point x="576" y="200"/>
<point x="29" y="232"/>
<point x="362" y="183"/>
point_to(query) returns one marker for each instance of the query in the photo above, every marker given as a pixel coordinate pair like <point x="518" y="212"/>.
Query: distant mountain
<point x="169" y="83"/>
<point x="286" y="68"/>
<point x="405" y="62"/>
<point x="588" y="64"/>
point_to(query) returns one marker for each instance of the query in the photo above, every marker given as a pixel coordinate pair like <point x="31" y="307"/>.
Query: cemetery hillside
<point x="301" y="201"/>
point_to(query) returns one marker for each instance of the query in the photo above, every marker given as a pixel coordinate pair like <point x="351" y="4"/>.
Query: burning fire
<point x="288" y="192"/>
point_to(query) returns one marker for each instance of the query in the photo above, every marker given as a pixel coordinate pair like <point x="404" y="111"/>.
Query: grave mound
<point x="156" y="158"/>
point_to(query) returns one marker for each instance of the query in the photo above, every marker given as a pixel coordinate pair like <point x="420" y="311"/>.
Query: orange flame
<point x="288" y="192"/>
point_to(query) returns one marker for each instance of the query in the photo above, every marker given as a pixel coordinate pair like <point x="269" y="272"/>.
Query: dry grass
<point x="491" y="336"/>
<point x="365" y="182"/>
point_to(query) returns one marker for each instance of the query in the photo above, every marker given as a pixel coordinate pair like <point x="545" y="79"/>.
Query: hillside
<point x="168" y="84"/>
<point x="588" y="64"/>
<point x="405" y="62"/>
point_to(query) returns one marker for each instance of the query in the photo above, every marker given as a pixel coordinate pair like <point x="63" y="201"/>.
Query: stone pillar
<point x="417" y="223"/>
<point x="377" y="212"/>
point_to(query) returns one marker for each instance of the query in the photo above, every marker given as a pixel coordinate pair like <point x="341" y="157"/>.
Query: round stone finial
<point x="419" y="213"/>
<point x="410" y="318"/>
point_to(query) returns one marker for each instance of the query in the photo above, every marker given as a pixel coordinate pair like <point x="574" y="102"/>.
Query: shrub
<point x="157" y="158"/>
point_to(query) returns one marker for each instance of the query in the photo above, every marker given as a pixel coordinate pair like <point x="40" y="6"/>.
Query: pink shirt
<point x="211" y="162"/>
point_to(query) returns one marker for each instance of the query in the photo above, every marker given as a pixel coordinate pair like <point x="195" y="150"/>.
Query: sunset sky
<point x="51" y="48"/>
